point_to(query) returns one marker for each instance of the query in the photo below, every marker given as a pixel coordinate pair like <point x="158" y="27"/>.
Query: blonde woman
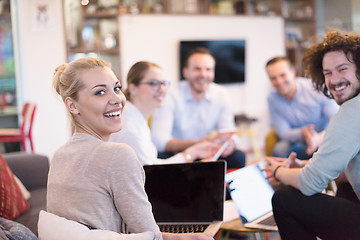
<point x="91" y="180"/>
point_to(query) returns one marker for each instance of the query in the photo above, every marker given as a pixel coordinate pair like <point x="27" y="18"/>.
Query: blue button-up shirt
<point x="308" y="107"/>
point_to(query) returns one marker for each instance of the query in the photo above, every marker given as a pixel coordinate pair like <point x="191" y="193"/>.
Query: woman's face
<point x="151" y="91"/>
<point x="100" y="102"/>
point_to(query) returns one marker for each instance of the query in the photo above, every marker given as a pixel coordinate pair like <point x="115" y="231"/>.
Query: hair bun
<point x="57" y="76"/>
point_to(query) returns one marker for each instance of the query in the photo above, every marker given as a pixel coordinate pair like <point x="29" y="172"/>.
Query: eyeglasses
<point x="157" y="84"/>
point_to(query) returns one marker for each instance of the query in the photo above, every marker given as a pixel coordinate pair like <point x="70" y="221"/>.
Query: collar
<point x="187" y="94"/>
<point x="299" y="89"/>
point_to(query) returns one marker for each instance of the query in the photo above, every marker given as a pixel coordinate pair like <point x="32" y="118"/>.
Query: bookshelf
<point x="92" y="28"/>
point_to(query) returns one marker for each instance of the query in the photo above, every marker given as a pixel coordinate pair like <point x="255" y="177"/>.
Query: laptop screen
<point x="189" y="192"/>
<point x="250" y="191"/>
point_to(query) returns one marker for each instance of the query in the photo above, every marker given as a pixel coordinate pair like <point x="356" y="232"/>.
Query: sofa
<point x="32" y="170"/>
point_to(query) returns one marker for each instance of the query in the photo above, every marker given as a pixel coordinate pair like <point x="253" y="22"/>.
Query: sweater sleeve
<point x="339" y="146"/>
<point x="126" y="181"/>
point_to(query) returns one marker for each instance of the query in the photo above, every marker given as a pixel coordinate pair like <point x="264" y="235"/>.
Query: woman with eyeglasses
<point x="146" y="91"/>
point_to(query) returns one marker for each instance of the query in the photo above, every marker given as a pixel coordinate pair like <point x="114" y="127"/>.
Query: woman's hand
<point x="202" y="150"/>
<point x="187" y="236"/>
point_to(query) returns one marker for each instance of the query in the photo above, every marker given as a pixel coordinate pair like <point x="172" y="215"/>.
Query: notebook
<point x="187" y="197"/>
<point x="251" y="194"/>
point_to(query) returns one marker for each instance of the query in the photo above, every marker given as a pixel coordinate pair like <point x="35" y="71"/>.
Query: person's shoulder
<point x="115" y="148"/>
<point x="348" y="112"/>
<point x="352" y="104"/>
<point x="180" y="88"/>
<point x="60" y="152"/>
<point x="215" y="88"/>
<point x="273" y="96"/>
<point x="307" y="88"/>
<point x="117" y="159"/>
<point x="131" y="132"/>
<point x="305" y="83"/>
<point x="115" y="151"/>
<point x="176" y="92"/>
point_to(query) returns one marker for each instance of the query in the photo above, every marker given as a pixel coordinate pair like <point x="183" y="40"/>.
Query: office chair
<point x="25" y="130"/>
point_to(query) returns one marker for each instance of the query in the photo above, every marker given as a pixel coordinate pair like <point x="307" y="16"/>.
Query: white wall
<point x="41" y="48"/>
<point x="156" y="38"/>
<point x="142" y="37"/>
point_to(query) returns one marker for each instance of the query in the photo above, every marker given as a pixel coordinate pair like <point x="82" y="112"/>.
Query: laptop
<point x="187" y="197"/>
<point x="251" y="193"/>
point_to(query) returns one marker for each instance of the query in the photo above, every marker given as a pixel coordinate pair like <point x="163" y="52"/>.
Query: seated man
<point x="299" y="114"/>
<point x="195" y="109"/>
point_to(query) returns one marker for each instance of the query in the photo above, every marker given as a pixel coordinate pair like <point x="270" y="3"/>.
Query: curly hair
<point x="349" y="43"/>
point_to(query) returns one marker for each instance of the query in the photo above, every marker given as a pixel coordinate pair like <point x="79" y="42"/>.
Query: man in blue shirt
<point x="299" y="114"/>
<point x="194" y="109"/>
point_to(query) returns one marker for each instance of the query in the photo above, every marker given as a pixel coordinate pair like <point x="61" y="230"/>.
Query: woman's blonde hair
<point x="67" y="77"/>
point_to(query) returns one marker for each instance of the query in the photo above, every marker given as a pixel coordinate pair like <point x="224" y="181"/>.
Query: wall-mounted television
<point x="229" y="56"/>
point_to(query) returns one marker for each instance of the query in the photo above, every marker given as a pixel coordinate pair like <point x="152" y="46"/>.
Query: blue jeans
<point x="284" y="148"/>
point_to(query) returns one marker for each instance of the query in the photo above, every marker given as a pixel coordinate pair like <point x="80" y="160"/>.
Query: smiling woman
<point x="88" y="179"/>
<point x="92" y="181"/>
<point x="146" y="92"/>
<point x="97" y="109"/>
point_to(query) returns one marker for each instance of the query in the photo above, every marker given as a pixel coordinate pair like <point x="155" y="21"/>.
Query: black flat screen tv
<point x="229" y="56"/>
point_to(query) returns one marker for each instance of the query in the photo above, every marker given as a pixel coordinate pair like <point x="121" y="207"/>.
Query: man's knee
<point x="283" y="195"/>
<point x="236" y="159"/>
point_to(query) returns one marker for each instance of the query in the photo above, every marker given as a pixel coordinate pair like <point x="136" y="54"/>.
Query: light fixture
<point x="84" y="2"/>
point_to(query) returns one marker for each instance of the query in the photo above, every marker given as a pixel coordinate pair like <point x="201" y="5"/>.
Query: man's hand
<point x="220" y="139"/>
<point x="274" y="162"/>
<point x="203" y="149"/>
<point x="229" y="149"/>
<point x="312" y="138"/>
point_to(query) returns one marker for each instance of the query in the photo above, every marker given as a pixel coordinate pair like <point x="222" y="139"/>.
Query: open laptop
<point x="187" y="197"/>
<point x="251" y="194"/>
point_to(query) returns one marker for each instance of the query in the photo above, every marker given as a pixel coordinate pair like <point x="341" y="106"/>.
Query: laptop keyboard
<point x="269" y="221"/>
<point x="183" y="228"/>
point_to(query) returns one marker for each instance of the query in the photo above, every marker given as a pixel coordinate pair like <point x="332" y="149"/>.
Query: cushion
<point x="12" y="201"/>
<point x="53" y="227"/>
<point x="14" y="230"/>
<point x="23" y="189"/>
